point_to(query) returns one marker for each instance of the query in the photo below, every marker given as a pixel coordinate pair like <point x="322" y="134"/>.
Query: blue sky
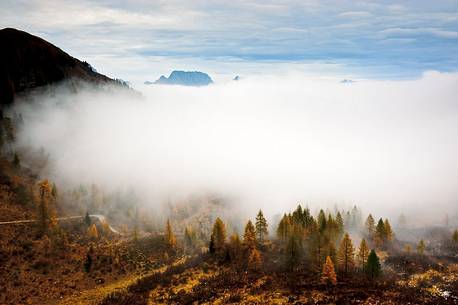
<point x="142" y="39"/>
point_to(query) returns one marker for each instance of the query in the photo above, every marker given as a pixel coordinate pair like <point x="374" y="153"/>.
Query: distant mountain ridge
<point x="185" y="78"/>
<point x="27" y="62"/>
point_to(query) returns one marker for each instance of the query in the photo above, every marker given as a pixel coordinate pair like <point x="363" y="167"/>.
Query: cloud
<point x="342" y="32"/>
<point x="268" y="141"/>
<point x="411" y="32"/>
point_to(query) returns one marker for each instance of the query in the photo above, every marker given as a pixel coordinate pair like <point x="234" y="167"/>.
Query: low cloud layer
<point x="389" y="146"/>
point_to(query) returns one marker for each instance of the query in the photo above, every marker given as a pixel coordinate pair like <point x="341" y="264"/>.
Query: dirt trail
<point x="95" y="295"/>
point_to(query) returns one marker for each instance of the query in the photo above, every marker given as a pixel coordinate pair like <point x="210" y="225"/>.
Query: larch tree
<point x="188" y="239"/>
<point x="249" y="237"/>
<point x="92" y="232"/>
<point x="284" y="227"/>
<point x="170" y="238"/>
<point x="408" y="248"/>
<point x="346" y="254"/>
<point x="373" y="267"/>
<point x="389" y="235"/>
<point x="363" y="253"/>
<point x="46" y="214"/>
<point x="293" y="250"/>
<point x="254" y="260"/>
<point x="328" y="275"/>
<point x="261" y="227"/>
<point x="370" y="226"/>
<point x="421" y="247"/>
<point x="218" y="237"/>
<point x="235" y="247"/>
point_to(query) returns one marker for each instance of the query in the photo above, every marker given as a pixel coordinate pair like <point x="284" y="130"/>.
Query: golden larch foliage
<point x="92" y="232"/>
<point x="328" y="276"/>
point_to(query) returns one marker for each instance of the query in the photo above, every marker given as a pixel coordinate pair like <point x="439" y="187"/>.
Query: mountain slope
<point x="27" y="61"/>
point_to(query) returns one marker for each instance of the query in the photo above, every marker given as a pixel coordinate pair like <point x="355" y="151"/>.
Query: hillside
<point x="27" y="61"/>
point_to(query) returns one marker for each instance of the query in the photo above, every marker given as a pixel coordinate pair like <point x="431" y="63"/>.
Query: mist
<point x="267" y="141"/>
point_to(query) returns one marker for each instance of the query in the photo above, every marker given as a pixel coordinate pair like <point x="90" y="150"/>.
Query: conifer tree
<point x="235" y="246"/>
<point x="249" y="237"/>
<point x="363" y="253"/>
<point x="45" y="215"/>
<point x="54" y="191"/>
<point x="92" y="232"/>
<point x="261" y="227"/>
<point x="254" y="260"/>
<point x="328" y="275"/>
<point x="88" y="263"/>
<point x="389" y="235"/>
<point x="340" y="223"/>
<point x="407" y="249"/>
<point x="332" y="252"/>
<point x="170" y="238"/>
<point x="402" y="221"/>
<point x="370" y="226"/>
<point x="87" y="220"/>
<point x="16" y="161"/>
<point x="373" y="267"/>
<point x="321" y="221"/>
<point x="293" y="251"/>
<point x="188" y="239"/>
<point x="284" y="227"/>
<point x="455" y="236"/>
<point x="219" y="236"/>
<point x="421" y="247"/>
<point x="380" y="233"/>
<point x="345" y="256"/>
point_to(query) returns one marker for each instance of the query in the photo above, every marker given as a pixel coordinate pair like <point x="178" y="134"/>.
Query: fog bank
<point x="270" y="142"/>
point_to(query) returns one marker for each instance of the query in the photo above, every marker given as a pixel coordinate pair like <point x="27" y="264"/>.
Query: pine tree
<point x="249" y="238"/>
<point x="321" y="221"/>
<point x="421" y="247"/>
<point x="219" y="236"/>
<point x="380" y="233"/>
<point x="170" y="238"/>
<point x="328" y="275"/>
<point x="345" y="256"/>
<point x="340" y="223"/>
<point x="87" y="220"/>
<point x="261" y="227"/>
<point x="16" y="161"/>
<point x="363" y="253"/>
<point x="88" y="263"/>
<point x="373" y="267"/>
<point x="370" y="226"/>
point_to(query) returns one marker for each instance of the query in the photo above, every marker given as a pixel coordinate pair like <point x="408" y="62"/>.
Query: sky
<point x="140" y="40"/>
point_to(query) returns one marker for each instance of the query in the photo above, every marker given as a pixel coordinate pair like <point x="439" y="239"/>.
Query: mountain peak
<point x="185" y="78"/>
